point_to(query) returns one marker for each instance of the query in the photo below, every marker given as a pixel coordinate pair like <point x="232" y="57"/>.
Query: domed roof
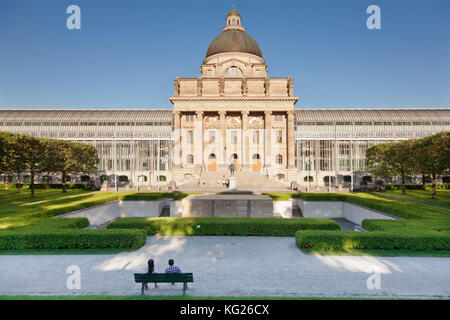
<point x="233" y="12"/>
<point x="234" y="40"/>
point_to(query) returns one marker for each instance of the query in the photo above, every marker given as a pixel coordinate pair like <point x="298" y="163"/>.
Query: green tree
<point x="19" y="156"/>
<point x="33" y="149"/>
<point x="378" y="162"/>
<point x="435" y="158"/>
<point x="85" y="158"/>
<point x="6" y="153"/>
<point x="392" y="159"/>
<point x="419" y="158"/>
<point x="50" y="151"/>
<point x="62" y="159"/>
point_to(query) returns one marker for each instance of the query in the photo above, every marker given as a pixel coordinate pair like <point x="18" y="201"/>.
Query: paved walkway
<point x="229" y="266"/>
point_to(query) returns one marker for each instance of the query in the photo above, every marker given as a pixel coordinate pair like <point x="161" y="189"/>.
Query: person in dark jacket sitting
<point x="150" y="270"/>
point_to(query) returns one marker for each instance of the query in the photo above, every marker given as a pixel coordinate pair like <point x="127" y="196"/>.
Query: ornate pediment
<point x="233" y="61"/>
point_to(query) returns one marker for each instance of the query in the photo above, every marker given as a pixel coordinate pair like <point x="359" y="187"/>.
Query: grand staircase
<point x="246" y="180"/>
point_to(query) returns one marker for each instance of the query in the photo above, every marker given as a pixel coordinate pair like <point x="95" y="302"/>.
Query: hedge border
<point x="72" y="239"/>
<point x="224" y="226"/>
<point x="344" y="240"/>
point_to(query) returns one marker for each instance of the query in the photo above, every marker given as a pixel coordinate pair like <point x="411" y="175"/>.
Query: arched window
<point x="256" y="156"/>
<point x="123" y="178"/>
<point x="366" y="180"/>
<point x="328" y="179"/>
<point x="142" y="179"/>
<point x="162" y="178"/>
<point x="190" y="159"/>
<point x="234" y="156"/>
<point x="233" y="72"/>
<point x="279" y="159"/>
<point x="212" y="156"/>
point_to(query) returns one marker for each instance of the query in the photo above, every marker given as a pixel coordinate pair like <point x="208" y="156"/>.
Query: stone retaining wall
<point x="340" y="209"/>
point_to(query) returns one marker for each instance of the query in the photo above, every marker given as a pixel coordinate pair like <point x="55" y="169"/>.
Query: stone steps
<point x="246" y="179"/>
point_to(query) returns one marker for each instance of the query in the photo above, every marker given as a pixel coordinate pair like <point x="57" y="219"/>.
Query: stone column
<point x="244" y="139"/>
<point x="290" y="135"/>
<point x="177" y="128"/>
<point x="268" y="138"/>
<point x="223" y="133"/>
<point x="198" y="139"/>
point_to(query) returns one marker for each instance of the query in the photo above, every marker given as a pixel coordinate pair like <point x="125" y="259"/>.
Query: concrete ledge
<point x="341" y="209"/>
<point x="283" y="208"/>
<point x="105" y="213"/>
<point x="227" y="205"/>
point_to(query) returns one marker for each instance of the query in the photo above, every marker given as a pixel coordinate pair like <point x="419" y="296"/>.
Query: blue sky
<point x="128" y="53"/>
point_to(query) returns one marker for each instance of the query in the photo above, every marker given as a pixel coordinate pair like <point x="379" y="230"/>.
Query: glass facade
<point x="139" y="144"/>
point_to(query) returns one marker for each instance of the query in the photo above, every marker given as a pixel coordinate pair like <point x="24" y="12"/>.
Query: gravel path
<point x="229" y="266"/>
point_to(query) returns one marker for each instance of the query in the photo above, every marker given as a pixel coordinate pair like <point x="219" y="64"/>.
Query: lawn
<point x="20" y="210"/>
<point x="425" y="230"/>
<point x="26" y="225"/>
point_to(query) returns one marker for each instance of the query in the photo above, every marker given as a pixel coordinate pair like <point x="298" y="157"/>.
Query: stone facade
<point x="234" y="112"/>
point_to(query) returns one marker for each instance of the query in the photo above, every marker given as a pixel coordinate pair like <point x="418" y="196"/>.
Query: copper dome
<point x="233" y="40"/>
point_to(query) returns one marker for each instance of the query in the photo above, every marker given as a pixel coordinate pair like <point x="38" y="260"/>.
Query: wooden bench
<point x="163" y="278"/>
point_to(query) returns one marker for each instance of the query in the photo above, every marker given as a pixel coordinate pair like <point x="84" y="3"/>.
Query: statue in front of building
<point x="232" y="168"/>
<point x="267" y="87"/>
<point x="176" y="84"/>
<point x="199" y="86"/>
<point x="290" y="87"/>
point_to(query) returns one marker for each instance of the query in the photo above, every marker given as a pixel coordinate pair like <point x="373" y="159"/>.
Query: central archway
<point x="212" y="166"/>
<point x="256" y="162"/>
<point x="235" y="158"/>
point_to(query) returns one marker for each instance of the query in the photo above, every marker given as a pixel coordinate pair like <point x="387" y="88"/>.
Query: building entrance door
<point x="212" y="166"/>
<point x="256" y="162"/>
<point x="235" y="161"/>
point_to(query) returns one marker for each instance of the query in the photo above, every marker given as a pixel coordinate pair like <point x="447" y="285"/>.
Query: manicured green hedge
<point x="223" y="226"/>
<point x="343" y="240"/>
<point x="72" y="239"/>
<point x="34" y="229"/>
